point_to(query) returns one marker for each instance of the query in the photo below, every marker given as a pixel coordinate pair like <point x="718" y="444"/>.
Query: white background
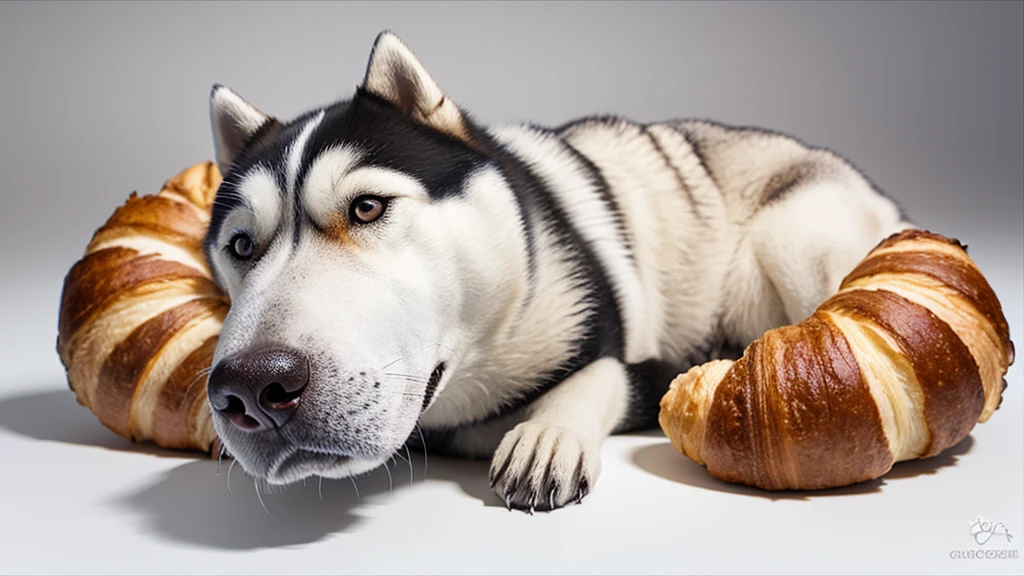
<point x="102" y="99"/>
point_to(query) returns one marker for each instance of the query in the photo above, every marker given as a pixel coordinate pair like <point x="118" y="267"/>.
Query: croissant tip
<point x="915" y="233"/>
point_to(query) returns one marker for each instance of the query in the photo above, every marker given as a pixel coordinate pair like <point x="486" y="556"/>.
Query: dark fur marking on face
<point x="389" y="139"/>
<point x="393" y="140"/>
<point x="267" y="149"/>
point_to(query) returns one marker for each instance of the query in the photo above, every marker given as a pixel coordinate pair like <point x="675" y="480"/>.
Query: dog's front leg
<point x="553" y="457"/>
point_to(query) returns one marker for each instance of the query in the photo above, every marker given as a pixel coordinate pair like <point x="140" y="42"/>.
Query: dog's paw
<point x="543" y="467"/>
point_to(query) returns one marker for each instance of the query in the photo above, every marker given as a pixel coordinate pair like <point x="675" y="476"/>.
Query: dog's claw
<point x="533" y="502"/>
<point x="539" y="468"/>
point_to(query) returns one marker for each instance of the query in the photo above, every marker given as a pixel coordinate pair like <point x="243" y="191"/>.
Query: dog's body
<point x="521" y="292"/>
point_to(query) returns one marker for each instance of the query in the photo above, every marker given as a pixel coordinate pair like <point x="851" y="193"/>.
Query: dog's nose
<point x="259" y="388"/>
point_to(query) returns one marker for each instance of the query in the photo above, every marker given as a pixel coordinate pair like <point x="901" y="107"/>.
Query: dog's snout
<point x="259" y="388"/>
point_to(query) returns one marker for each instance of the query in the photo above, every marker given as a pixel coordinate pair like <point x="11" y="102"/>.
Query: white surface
<point x="76" y="498"/>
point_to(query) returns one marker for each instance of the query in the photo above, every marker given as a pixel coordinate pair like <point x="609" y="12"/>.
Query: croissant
<point x="140" y="315"/>
<point x="899" y="364"/>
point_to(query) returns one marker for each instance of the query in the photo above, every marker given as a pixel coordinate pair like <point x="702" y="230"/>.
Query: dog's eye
<point x="241" y="246"/>
<point x="366" y="209"/>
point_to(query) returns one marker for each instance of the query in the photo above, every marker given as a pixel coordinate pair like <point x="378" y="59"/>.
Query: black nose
<point x="259" y="388"/>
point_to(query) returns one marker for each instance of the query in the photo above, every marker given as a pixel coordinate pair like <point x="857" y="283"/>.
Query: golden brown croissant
<point x="899" y="364"/>
<point x="140" y="315"/>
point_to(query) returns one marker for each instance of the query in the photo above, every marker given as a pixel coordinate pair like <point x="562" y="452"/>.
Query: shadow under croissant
<point x="662" y="459"/>
<point x="56" y="416"/>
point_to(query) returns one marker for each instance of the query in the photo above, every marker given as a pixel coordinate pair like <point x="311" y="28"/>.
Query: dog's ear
<point x="396" y="75"/>
<point x="234" y="122"/>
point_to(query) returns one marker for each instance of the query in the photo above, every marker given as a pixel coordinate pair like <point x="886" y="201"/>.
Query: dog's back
<point x="708" y="235"/>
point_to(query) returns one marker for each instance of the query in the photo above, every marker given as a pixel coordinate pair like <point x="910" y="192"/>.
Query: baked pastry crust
<point x="899" y="364"/>
<point x="140" y="314"/>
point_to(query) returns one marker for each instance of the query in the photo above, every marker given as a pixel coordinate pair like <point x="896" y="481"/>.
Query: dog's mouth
<point x="302" y="463"/>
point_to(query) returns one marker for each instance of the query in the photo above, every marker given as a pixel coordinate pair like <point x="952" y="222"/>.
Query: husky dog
<point x="517" y="293"/>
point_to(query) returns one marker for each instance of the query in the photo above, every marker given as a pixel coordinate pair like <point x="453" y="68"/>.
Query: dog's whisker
<point x="401" y="393"/>
<point x="230" y="491"/>
<point x="256" y="484"/>
<point x="424" y="443"/>
<point x="390" y="482"/>
<point x="199" y="376"/>
<point x="408" y="376"/>
<point x="409" y="380"/>
<point x="425" y="339"/>
<point x="409" y="455"/>
<point x="415" y="333"/>
<point x="413" y="380"/>
<point x="392" y="363"/>
<point x="354" y="487"/>
<point x="220" y="457"/>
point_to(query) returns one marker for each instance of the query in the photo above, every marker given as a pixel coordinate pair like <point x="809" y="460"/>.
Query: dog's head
<point x="364" y="245"/>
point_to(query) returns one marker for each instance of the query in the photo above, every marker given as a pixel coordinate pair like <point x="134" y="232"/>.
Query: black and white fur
<point x="528" y="291"/>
